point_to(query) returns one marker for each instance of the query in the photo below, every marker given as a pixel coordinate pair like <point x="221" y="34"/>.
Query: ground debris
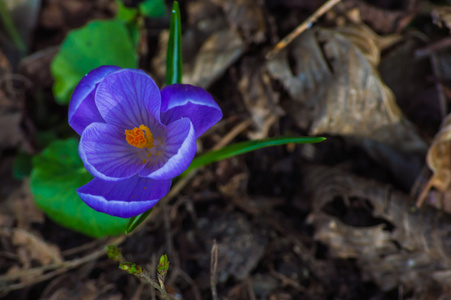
<point x="417" y="247"/>
<point x="245" y="16"/>
<point x="218" y="52"/>
<point x="380" y="19"/>
<point x="336" y="82"/>
<point x="240" y="245"/>
<point x="439" y="161"/>
<point x="259" y="97"/>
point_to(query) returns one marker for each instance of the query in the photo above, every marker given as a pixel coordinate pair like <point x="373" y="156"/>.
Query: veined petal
<point x="82" y="108"/>
<point x="129" y="98"/>
<point x="179" y="150"/>
<point x="106" y="154"/>
<point x="126" y="198"/>
<point x="184" y="100"/>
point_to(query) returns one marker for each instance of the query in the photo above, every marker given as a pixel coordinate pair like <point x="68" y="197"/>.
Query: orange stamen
<point x="139" y="137"/>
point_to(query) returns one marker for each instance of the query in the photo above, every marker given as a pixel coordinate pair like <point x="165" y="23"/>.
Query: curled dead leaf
<point x="441" y="15"/>
<point x="259" y="97"/>
<point x="333" y="78"/>
<point x="21" y="203"/>
<point x="415" y="253"/>
<point x="215" y="56"/>
<point x="32" y="247"/>
<point x="382" y="20"/>
<point x="245" y="16"/>
<point x="438" y="160"/>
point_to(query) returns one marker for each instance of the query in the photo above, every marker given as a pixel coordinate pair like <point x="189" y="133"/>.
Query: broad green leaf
<point x="244" y="147"/>
<point x="227" y="152"/>
<point x="174" y="67"/>
<point x="57" y="173"/>
<point x="152" y="8"/>
<point x="124" y="13"/>
<point x="96" y="44"/>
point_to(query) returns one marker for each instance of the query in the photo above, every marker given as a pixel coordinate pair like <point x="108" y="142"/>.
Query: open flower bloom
<point x="134" y="137"/>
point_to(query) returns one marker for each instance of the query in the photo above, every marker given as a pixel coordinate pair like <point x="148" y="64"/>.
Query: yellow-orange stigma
<point x="139" y="137"/>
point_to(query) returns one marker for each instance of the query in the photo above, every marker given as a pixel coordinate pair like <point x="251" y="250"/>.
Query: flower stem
<point x="153" y="283"/>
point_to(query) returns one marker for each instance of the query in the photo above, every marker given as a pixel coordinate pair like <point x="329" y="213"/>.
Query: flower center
<point x="140" y="137"/>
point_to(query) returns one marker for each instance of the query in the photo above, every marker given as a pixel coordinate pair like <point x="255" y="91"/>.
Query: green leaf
<point x="124" y="13"/>
<point x="57" y="173"/>
<point x="131" y="268"/>
<point x="163" y="265"/>
<point x="152" y="8"/>
<point x="244" y="147"/>
<point x="135" y="221"/>
<point x="96" y="44"/>
<point x="174" y="67"/>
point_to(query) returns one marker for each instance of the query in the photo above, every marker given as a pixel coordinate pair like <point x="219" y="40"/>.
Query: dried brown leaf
<point x="259" y="97"/>
<point x="240" y="245"/>
<point x="215" y="56"/>
<point x="11" y="103"/>
<point x="67" y="286"/>
<point x="21" y="203"/>
<point x="26" y="277"/>
<point x="382" y="20"/>
<point x="333" y="79"/>
<point x="36" y="67"/>
<point x="159" y="61"/>
<point x="441" y="15"/>
<point x="245" y="16"/>
<point x="421" y="237"/>
<point x="32" y="247"/>
<point x="11" y="134"/>
<point x="438" y="160"/>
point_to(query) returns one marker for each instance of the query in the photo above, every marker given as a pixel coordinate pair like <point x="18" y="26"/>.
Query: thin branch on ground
<point x="301" y="28"/>
<point x="213" y="270"/>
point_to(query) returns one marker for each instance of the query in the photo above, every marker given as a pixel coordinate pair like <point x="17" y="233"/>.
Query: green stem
<point x="174" y="66"/>
<point x="153" y="283"/>
<point x="11" y="29"/>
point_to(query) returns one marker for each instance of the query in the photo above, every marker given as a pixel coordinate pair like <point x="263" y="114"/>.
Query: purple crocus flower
<point x="134" y="137"/>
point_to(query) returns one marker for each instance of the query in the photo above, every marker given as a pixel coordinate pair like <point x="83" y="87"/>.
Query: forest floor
<point x="362" y="215"/>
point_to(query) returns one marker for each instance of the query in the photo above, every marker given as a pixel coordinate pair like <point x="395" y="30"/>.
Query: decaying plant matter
<point x="414" y="253"/>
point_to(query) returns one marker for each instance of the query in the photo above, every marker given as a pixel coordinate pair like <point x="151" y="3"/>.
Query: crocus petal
<point x="106" y="154"/>
<point x="82" y="108"/>
<point x="184" y="100"/>
<point x="179" y="151"/>
<point x="126" y="198"/>
<point x="129" y="98"/>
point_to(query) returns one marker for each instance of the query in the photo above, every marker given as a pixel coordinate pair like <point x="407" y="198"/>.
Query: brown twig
<point x="287" y="281"/>
<point x="213" y="270"/>
<point x="153" y="266"/>
<point x="55" y="269"/>
<point x="301" y="28"/>
<point x="250" y="289"/>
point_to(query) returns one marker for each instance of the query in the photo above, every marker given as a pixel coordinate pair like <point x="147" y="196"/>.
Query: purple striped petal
<point x="126" y="198"/>
<point x="184" y="100"/>
<point x="106" y="154"/>
<point x="180" y="148"/>
<point x="129" y="98"/>
<point x="82" y="108"/>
